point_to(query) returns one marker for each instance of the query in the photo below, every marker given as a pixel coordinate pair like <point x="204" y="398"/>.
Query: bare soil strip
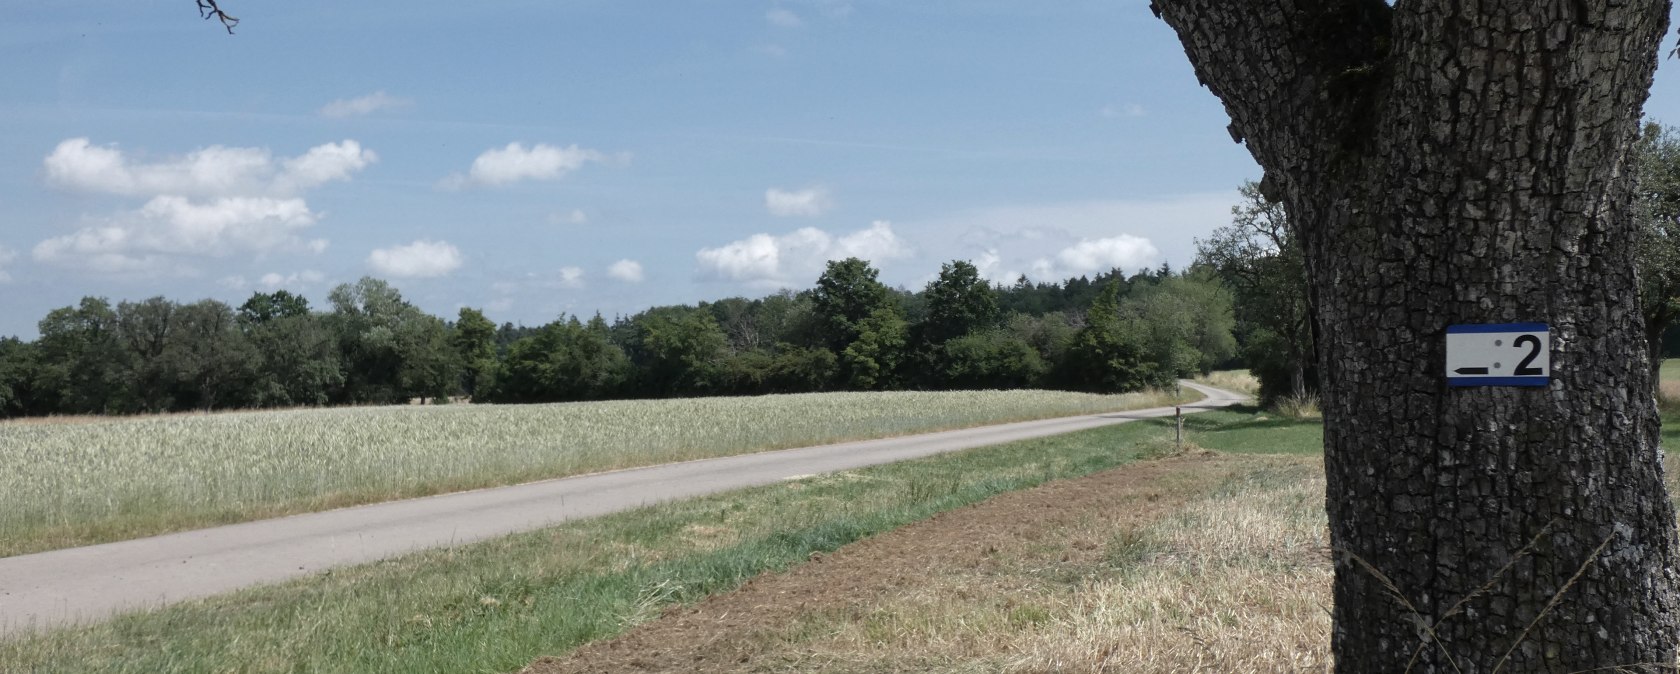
<point x="764" y="625"/>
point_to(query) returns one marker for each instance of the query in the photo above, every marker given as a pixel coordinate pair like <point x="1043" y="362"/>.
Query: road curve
<point x="78" y="585"/>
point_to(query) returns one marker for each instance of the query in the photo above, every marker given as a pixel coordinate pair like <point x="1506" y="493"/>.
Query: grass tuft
<point x="1298" y="407"/>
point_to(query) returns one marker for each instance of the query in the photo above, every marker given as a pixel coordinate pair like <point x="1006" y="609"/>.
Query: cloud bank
<point x="628" y="271"/>
<point x="216" y="201"/>
<point x="515" y="163"/>
<point x="796" y="258"/>
<point x="422" y="259"/>
<point x="363" y="105"/>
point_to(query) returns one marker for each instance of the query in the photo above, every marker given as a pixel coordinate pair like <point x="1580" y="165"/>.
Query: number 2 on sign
<point x="1523" y="368"/>
<point x="1481" y="355"/>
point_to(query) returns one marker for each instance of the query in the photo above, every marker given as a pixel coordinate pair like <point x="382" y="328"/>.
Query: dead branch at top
<point x="208" y="9"/>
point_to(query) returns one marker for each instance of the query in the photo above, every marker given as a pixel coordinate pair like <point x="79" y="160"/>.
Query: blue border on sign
<point x="1498" y="381"/>
<point x="1498" y="327"/>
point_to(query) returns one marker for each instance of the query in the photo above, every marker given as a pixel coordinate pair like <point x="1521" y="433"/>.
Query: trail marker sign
<point x="1499" y="354"/>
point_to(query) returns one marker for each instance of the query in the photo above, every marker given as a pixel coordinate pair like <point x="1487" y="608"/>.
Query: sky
<point x="543" y="158"/>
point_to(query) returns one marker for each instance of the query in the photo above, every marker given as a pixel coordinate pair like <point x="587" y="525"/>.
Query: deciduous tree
<point x="1448" y="162"/>
<point x="208" y="358"/>
<point x="1657" y="207"/>
<point x="1107" y="354"/>
<point x="1259" y="258"/>
<point x="83" y="362"/>
<point x="474" y="340"/>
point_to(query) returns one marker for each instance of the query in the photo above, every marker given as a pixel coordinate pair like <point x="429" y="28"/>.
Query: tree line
<point x="369" y="345"/>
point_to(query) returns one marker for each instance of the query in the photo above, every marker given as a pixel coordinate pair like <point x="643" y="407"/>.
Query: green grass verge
<point x="495" y="606"/>
<point x="1255" y="432"/>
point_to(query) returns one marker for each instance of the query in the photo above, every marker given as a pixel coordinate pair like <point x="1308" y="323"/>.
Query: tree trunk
<point x="1450" y="162"/>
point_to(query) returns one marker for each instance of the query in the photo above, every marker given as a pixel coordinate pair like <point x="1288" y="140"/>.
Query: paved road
<point x="97" y="581"/>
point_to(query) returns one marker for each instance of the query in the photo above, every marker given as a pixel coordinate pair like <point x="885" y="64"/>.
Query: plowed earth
<point x="753" y="628"/>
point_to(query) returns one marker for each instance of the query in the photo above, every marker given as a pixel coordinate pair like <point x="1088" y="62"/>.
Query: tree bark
<point x="1455" y="162"/>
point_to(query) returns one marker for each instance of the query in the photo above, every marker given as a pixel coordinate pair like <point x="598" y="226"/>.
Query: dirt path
<point x="748" y="630"/>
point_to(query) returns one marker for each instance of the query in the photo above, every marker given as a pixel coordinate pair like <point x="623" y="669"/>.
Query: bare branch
<point x="208" y="9"/>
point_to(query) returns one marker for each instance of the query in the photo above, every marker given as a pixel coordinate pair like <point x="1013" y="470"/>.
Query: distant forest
<point x="1109" y="333"/>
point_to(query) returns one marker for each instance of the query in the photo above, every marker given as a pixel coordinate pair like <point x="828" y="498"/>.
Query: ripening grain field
<point x="74" y="483"/>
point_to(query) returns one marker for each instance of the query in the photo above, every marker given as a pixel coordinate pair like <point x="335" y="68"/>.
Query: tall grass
<point x="1241" y="381"/>
<point x="1237" y="582"/>
<point x="64" y="484"/>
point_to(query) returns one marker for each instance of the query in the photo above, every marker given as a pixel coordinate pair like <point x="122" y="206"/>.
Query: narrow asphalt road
<point x="91" y="583"/>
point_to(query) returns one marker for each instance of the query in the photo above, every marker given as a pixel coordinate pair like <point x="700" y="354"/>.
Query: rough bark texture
<point x="1464" y="162"/>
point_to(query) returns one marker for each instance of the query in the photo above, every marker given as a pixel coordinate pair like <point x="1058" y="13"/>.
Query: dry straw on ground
<point x="1196" y="563"/>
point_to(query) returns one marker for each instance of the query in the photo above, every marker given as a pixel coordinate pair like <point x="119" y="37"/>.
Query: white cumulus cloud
<point x="1091" y="256"/>
<point x="628" y="271"/>
<point x="147" y="240"/>
<point x="323" y="164"/>
<point x="798" y="257"/>
<point x="212" y="202"/>
<point x="808" y="202"/>
<point x="214" y="171"/>
<point x="363" y="105"/>
<point x="422" y="259"/>
<point x="274" y="281"/>
<point x="500" y="166"/>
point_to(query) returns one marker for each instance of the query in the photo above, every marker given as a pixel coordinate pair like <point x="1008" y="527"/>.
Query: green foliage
<point x="850" y="332"/>
<point x="474" y="341"/>
<point x="1657" y="211"/>
<point x="1259" y="259"/>
<point x="861" y="323"/>
<point x="392" y="351"/>
<point x="144" y="328"/>
<point x="566" y="360"/>
<point x="207" y="357"/>
<point x="993" y="359"/>
<point x="796" y="370"/>
<point x="846" y="295"/>
<point x="265" y="307"/>
<point x="786" y="369"/>
<point x="1186" y="321"/>
<point x="300" y="362"/>
<point x="677" y="351"/>
<point x="83" y="362"/>
<point x="958" y="302"/>
<point x="871" y="360"/>
<point x="18" y="372"/>
<point x="1108" y="355"/>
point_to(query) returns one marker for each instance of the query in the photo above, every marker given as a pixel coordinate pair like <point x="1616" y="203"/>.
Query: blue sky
<point x="538" y="158"/>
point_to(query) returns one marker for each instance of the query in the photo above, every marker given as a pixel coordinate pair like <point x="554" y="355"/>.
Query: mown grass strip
<point x="78" y="483"/>
<point x="497" y="605"/>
